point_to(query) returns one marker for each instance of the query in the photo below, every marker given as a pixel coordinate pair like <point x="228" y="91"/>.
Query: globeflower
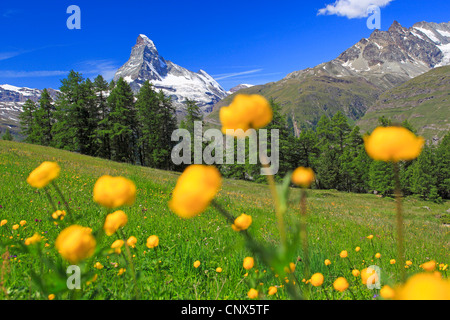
<point x="343" y="254"/>
<point x="272" y="290"/>
<point x="76" y="243"/>
<point x="196" y="264"/>
<point x="114" y="221"/>
<point x="59" y="214"/>
<point x="32" y="240"/>
<point x="131" y="242"/>
<point x="117" y="246"/>
<point x="387" y="292"/>
<point x="3" y="222"/>
<point x="246" y="112"/>
<point x="252" y="293"/>
<point x="366" y="274"/>
<point x="429" y="266"/>
<point x="340" y="284"/>
<point x="195" y="189"/>
<point x="242" y="222"/>
<point x="356" y="272"/>
<point x="317" y="279"/>
<point x="378" y="255"/>
<point x="219" y="270"/>
<point x="393" y="144"/>
<point x="98" y="265"/>
<point x="113" y="192"/>
<point x="392" y="261"/>
<point x="303" y="177"/>
<point x="44" y="174"/>
<point x="248" y="263"/>
<point x="15" y="227"/>
<point x="152" y="242"/>
<point x="327" y="262"/>
<point x="22" y="223"/>
<point x="424" y="286"/>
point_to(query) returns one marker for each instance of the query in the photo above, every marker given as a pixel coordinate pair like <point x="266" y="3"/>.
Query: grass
<point x="337" y="221"/>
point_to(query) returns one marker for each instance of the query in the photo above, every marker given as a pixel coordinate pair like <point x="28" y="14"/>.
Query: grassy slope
<point x="338" y="221"/>
<point x="424" y="101"/>
<point x="309" y="97"/>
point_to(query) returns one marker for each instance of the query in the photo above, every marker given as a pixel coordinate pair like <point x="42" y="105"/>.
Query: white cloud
<point x="31" y="74"/>
<point x="234" y="74"/>
<point x="106" y="68"/>
<point x="352" y="8"/>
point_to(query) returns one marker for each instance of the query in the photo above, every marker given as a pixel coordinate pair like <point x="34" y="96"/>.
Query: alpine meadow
<point x="150" y="181"/>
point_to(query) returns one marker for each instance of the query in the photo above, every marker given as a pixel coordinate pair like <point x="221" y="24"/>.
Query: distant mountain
<point x="145" y="63"/>
<point x="239" y="87"/>
<point x="424" y="101"/>
<point x="11" y="101"/>
<point x="352" y="82"/>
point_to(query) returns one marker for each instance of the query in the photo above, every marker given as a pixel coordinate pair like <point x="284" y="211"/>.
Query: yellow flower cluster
<point x="246" y="112"/>
<point x="44" y="174"/>
<point x="303" y="177"/>
<point x="393" y="144"/>
<point x="76" y="243"/>
<point x="195" y="189"/>
<point x="114" y="221"/>
<point x="113" y="192"/>
<point x="59" y="214"/>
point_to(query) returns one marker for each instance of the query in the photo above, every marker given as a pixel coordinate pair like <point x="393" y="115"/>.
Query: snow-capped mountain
<point x="12" y="99"/>
<point x="180" y="84"/>
<point x="388" y="58"/>
<point x="239" y="87"/>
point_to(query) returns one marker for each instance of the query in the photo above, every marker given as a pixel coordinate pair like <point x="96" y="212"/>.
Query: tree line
<point x="107" y="120"/>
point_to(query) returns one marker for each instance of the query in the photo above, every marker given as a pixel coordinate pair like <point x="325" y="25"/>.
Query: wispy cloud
<point x="8" y="13"/>
<point x="235" y="74"/>
<point x="352" y="8"/>
<point x="107" y="68"/>
<point x="10" y="54"/>
<point x="31" y="74"/>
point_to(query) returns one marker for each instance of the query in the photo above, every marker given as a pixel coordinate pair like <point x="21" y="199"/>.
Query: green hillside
<point x="338" y="221"/>
<point x="306" y="99"/>
<point x="424" y="101"/>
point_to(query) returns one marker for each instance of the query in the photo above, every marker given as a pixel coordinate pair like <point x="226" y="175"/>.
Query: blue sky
<point x="235" y="41"/>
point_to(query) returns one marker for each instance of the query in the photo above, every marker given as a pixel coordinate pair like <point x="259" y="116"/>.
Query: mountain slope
<point x="424" y="101"/>
<point x="352" y="82"/>
<point x="180" y="84"/>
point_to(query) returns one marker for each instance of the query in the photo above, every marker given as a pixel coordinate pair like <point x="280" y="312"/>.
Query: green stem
<point x="400" y="236"/>
<point x="66" y="204"/>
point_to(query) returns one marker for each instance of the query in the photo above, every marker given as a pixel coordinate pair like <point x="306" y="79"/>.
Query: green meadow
<point x="336" y="221"/>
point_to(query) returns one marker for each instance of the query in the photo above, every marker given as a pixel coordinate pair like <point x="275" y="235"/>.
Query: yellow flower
<point x="249" y="262"/>
<point x="114" y="221"/>
<point x="393" y="144"/>
<point x="242" y="222"/>
<point x="113" y="192"/>
<point x="387" y="292"/>
<point x="443" y="267"/>
<point x="32" y="240"/>
<point x="219" y="270"/>
<point x="131" y="242"/>
<point x="340" y="284"/>
<point x="303" y="177"/>
<point x="22" y="223"/>
<point x="98" y="265"/>
<point x="424" y="286"/>
<point x="246" y="112"/>
<point x="117" y="246"/>
<point x="357" y="249"/>
<point x="59" y="214"/>
<point x="429" y="266"/>
<point x="51" y="296"/>
<point x="327" y="262"/>
<point x="367" y="273"/>
<point x="152" y="242"/>
<point x="76" y="243"/>
<point x="408" y="263"/>
<point x="317" y="279"/>
<point x="15" y="227"/>
<point x="252" y="293"/>
<point x="272" y="290"/>
<point x="121" y="271"/>
<point x="392" y="261"/>
<point x="356" y="273"/>
<point x="343" y="254"/>
<point x="196" y="264"/>
<point x="378" y="255"/>
<point x="3" y="222"/>
<point x="44" y="174"/>
<point x="195" y="189"/>
<point x="370" y="237"/>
